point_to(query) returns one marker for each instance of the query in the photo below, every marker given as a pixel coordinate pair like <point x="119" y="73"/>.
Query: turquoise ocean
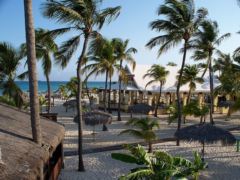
<point x="42" y="85"/>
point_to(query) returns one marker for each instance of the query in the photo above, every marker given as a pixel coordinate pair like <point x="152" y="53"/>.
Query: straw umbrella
<point x="95" y="117"/>
<point x="205" y="133"/>
<point x="141" y="108"/>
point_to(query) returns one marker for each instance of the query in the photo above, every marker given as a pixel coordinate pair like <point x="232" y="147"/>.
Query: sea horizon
<point x="42" y="85"/>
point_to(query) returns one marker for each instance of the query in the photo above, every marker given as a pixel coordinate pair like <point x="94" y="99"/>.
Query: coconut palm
<point x="144" y="129"/>
<point x="45" y="49"/>
<point x="123" y="53"/>
<point x="171" y="64"/>
<point x="157" y="74"/>
<point x="179" y="24"/>
<point x="10" y="59"/>
<point x="102" y="54"/>
<point x="33" y="84"/>
<point x="190" y="75"/>
<point x="84" y="17"/>
<point x="205" y="44"/>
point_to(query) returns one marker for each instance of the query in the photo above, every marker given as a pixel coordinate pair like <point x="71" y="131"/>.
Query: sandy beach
<point x="223" y="160"/>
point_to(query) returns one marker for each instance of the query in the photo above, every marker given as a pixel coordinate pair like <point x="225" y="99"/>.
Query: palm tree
<point x="82" y="17"/>
<point x="190" y="75"/>
<point x="123" y="53"/>
<point x="10" y="59"/>
<point x="205" y="44"/>
<point x="179" y="24"/>
<point x="102" y="54"/>
<point x="157" y="74"/>
<point x="171" y="64"/>
<point x="45" y="49"/>
<point x="144" y="129"/>
<point x="33" y="85"/>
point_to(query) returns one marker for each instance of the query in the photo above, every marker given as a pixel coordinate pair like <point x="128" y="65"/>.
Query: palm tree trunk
<point x="189" y="95"/>
<point x="149" y="147"/>
<point x="119" y="92"/>
<point x="79" y="105"/>
<point x="158" y="101"/>
<point x="33" y="84"/>
<point x="105" y="92"/>
<point x="179" y="106"/>
<point x="49" y="94"/>
<point x="188" y="101"/>
<point x="211" y="89"/>
<point x="109" y="95"/>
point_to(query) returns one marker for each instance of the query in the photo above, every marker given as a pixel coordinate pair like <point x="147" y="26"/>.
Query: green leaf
<point x="124" y="158"/>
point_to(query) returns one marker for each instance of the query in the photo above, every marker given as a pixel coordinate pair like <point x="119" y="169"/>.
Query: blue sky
<point x="133" y="24"/>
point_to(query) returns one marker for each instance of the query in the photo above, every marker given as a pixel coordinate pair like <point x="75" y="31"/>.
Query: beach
<point x="222" y="160"/>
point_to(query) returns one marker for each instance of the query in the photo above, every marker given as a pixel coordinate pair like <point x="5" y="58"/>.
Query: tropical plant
<point x="190" y="75"/>
<point x="205" y="44"/>
<point x="123" y="53"/>
<point x="45" y="49"/>
<point x="229" y="71"/>
<point x="180" y="23"/>
<point x="42" y="101"/>
<point x="159" y="165"/>
<point x="102" y="54"/>
<point x="10" y="60"/>
<point x="63" y="91"/>
<point x="157" y="74"/>
<point x="83" y="17"/>
<point x="171" y="64"/>
<point x="144" y="128"/>
<point x="193" y="109"/>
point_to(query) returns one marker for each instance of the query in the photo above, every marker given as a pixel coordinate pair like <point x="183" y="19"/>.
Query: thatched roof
<point x="93" y="118"/>
<point x="20" y="155"/>
<point x="205" y="133"/>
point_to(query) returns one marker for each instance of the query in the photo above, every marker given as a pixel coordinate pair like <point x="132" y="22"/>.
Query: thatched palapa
<point x="21" y="157"/>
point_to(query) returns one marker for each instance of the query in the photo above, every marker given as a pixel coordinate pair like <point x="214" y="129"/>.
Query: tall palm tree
<point x="123" y="53"/>
<point x="157" y="74"/>
<point x="190" y="75"/>
<point x="102" y="54"/>
<point x="45" y="49"/>
<point x="10" y="59"/>
<point x="179" y="24"/>
<point x="33" y="85"/>
<point x="205" y="44"/>
<point x="82" y="17"/>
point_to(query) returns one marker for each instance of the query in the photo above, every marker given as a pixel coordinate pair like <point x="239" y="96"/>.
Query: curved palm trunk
<point x="158" y="101"/>
<point x="179" y="106"/>
<point x="49" y="94"/>
<point x="79" y="106"/>
<point x="211" y="90"/>
<point x="105" y="92"/>
<point x="33" y="84"/>
<point x="109" y="95"/>
<point x="119" y="93"/>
